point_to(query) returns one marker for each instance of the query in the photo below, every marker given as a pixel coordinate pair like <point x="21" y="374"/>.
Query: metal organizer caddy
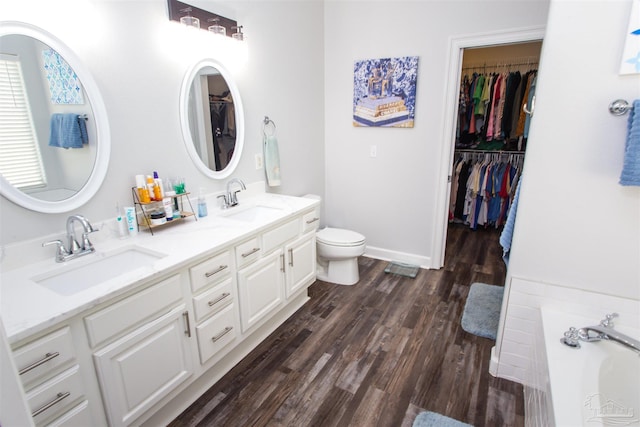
<point x="145" y="209"/>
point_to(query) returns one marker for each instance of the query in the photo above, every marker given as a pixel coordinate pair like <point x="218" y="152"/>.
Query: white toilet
<point x="338" y="251"/>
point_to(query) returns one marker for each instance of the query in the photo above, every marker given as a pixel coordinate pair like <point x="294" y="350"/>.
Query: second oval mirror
<point x="212" y="119"/>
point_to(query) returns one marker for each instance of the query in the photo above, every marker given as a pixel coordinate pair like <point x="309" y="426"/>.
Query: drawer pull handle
<point x="217" y="300"/>
<point x="291" y="257"/>
<point x="314" y="219"/>
<point x="251" y="252"/>
<point x="217" y="270"/>
<point x="221" y="334"/>
<point x="282" y="262"/>
<point x="34" y="365"/>
<point x="187" y="331"/>
<point x="55" y="401"/>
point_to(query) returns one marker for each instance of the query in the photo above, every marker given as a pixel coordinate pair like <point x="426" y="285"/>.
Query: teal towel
<point x="631" y="167"/>
<point x="68" y="131"/>
<point x="272" y="160"/>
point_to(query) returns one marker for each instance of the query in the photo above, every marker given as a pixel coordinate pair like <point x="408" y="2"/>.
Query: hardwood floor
<point x="374" y="354"/>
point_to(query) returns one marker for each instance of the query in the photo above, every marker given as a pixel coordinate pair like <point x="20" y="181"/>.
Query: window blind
<point x="20" y="160"/>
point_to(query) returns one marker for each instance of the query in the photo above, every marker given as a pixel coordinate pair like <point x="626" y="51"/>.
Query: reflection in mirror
<point x="54" y="143"/>
<point x="212" y="122"/>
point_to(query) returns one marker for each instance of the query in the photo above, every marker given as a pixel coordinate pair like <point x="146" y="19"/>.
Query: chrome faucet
<point x="73" y="248"/>
<point x="230" y="199"/>
<point x="603" y="331"/>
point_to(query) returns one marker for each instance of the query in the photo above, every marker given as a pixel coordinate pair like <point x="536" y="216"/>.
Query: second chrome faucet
<point x="230" y="198"/>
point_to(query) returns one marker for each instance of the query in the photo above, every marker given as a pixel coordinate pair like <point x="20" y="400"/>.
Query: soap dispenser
<point x="202" y="204"/>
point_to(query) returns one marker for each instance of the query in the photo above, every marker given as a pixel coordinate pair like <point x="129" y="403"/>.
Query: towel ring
<point x="265" y="125"/>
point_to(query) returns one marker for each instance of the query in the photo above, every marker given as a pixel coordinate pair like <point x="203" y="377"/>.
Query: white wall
<point x="576" y="225"/>
<point x="577" y="236"/>
<point x="391" y="198"/>
<point x="138" y="59"/>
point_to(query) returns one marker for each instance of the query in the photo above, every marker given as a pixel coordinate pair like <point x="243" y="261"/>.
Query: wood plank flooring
<point x="374" y="354"/>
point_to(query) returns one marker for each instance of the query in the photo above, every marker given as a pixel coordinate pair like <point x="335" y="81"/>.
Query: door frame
<point x="450" y="111"/>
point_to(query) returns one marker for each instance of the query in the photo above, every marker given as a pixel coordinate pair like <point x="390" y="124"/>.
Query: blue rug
<point x="482" y="310"/>
<point x="431" y="419"/>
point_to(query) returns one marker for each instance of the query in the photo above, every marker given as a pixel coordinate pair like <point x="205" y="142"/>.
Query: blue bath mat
<point x="482" y="310"/>
<point x="431" y="419"/>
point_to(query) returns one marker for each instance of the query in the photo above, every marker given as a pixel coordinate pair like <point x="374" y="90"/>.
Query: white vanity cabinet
<point x="276" y="266"/>
<point x="139" y="354"/>
<point x="215" y="306"/>
<point x="151" y="354"/>
<point x="50" y="374"/>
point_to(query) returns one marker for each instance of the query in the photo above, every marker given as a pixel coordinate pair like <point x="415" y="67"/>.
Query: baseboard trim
<point x="389" y="255"/>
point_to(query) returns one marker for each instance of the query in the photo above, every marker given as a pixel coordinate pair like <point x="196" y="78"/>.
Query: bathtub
<point x="595" y="385"/>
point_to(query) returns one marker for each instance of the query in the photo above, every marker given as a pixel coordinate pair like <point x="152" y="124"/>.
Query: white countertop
<point x="28" y="307"/>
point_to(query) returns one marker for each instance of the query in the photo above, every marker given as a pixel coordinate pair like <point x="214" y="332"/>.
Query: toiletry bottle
<point x="202" y="204"/>
<point x="167" y="203"/>
<point x="122" y="228"/>
<point x="157" y="189"/>
<point x="143" y="191"/>
<point x="150" y="186"/>
<point x="130" y="216"/>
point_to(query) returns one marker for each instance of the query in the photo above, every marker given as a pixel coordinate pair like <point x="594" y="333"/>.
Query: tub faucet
<point x="74" y="249"/>
<point x="230" y="199"/>
<point x="604" y="331"/>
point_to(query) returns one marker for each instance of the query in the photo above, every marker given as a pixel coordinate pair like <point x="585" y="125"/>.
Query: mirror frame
<point x="103" y="137"/>
<point x="184" y="118"/>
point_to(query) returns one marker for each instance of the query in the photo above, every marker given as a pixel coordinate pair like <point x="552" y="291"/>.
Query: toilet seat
<point x="339" y="237"/>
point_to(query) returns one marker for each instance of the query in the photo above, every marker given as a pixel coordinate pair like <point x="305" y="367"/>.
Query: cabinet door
<point x="301" y="264"/>
<point x="261" y="289"/>
<point x="141" y="368"/>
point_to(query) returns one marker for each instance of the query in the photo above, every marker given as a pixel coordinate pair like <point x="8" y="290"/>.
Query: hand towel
<point x="68" y="131"/>
<point x="272" y="160"/>
<point x="507" y="232"/>
<point x="631" y="167"/>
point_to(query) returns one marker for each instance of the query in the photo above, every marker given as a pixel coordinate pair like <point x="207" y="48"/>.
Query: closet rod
<point x="500" y="65"/>
<point x="464" y="150"/>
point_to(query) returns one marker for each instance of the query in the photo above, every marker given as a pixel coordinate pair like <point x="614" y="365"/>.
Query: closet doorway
<point x="482" y="54"/>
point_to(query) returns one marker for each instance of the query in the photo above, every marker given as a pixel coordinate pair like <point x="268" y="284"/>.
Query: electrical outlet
<point x="373" y="151"/>
<point x="259" y="163"/>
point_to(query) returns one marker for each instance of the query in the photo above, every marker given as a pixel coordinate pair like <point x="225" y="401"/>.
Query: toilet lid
<point x="339" y="237"/>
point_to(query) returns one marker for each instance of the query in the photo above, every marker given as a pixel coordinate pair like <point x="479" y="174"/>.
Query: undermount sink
<point x="95" y="269"/>
<point x="254" y="213"/>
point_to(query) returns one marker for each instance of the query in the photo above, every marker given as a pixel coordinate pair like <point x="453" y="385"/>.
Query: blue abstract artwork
<point x="631" y="54"/>
<point x="64" y="84"/>
<point x="384" y="92"/>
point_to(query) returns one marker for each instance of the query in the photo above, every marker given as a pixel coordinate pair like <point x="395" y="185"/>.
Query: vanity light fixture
<point x="188" y="20"/>
<point x="216" y="28"/>
<point x="221" y="25"/>
<point x="238" y="35"/>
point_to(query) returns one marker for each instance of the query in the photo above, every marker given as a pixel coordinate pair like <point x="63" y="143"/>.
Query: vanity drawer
<point x="38" y="360"/>
<point x="78" y="416"/>
<point x="247" y="252"/>
<point x="311" y="220"/>
<point x="55" y="396"/>
<point x="130" y="312"/>
<point x="217" y="332"/>
<point x="210" y="271"/>
<point x="213" y="300"/>
<point x="276" y="237"/>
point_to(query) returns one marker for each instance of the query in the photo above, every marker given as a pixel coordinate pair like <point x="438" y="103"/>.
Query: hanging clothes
<point x="484" y="184"/>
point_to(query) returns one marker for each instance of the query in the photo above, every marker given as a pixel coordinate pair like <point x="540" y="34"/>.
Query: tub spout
<point x="605" y="331"/>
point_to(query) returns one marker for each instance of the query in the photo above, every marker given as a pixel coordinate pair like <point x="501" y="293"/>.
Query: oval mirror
<point x="54" y="141"/>
<point x="212" y="119"/>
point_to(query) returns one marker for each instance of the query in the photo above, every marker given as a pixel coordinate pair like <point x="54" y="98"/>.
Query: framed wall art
<point x="384" y="92"/>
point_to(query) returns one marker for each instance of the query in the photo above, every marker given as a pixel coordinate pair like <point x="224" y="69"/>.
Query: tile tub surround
<point x="28" y="308"/>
